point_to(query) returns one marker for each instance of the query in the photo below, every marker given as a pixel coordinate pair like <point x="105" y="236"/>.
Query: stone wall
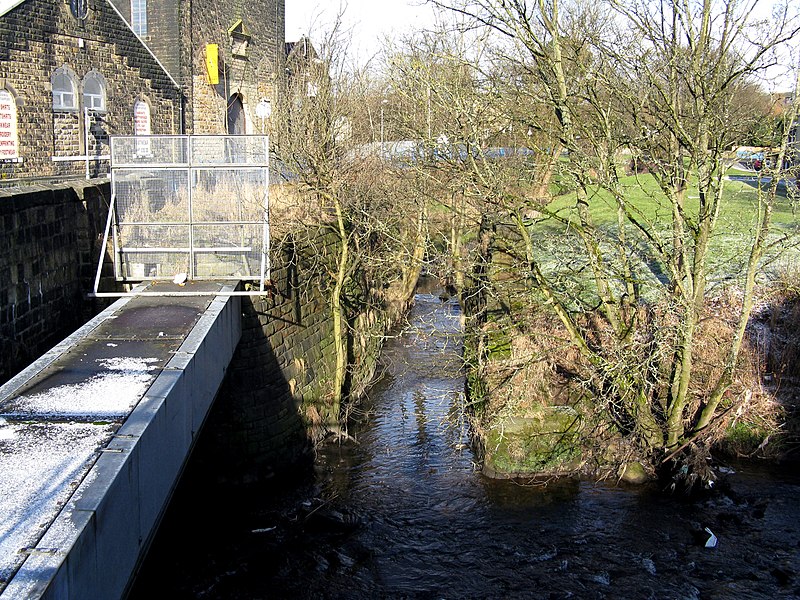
<point x="38" y="37"/>
<point x="277" y="401"/>
<point x="178" y="33"/>
<point x="252" y="76"/>
<point x="276" y="397"/>
<point x="164" y="19"/>
<point x="51" y="239"/>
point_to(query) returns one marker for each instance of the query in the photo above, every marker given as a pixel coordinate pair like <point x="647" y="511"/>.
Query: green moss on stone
<point x="543" y="443"/>
<point x="498" y="345"/>
<point x="634" y="472"/>
<point x="743" y="438"/>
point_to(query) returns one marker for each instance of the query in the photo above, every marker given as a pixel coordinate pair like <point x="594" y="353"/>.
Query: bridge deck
<point x="116" y="405"/>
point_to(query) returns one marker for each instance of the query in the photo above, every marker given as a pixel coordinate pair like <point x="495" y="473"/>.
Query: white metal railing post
<point x="191" y="180"/>
<point x="86" y="138"/>
<point x="116" y="256"/>
<point x="265" y="235"/>
<point x="109" y="218"/>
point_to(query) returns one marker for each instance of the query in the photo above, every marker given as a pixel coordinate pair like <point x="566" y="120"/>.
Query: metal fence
<point x="189" y="206"/>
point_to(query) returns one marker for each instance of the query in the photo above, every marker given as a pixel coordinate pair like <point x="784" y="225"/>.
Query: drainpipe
<point x="181" y="113"/>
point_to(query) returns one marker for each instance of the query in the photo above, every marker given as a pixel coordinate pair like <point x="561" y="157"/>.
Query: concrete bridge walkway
<point x="94" y="435"/>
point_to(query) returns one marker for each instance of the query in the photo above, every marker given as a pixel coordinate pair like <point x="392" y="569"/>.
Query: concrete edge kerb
<point x="204" y="324"/>
<point x="94" y="544"/>
<point x="16" y="383"/>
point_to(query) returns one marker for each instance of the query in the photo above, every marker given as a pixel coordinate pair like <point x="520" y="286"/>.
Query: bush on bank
<point x="535" y="408"/>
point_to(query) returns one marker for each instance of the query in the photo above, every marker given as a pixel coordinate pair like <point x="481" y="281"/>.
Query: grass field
<point x="730" y="244"/>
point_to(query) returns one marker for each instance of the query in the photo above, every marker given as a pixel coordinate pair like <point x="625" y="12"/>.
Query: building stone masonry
<point x="249" y="37"/>
<point x="76" y="38"/>
<point x="157" y="82"/>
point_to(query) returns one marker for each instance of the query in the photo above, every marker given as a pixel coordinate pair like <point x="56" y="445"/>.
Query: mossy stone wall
<point x="277" y="400"/>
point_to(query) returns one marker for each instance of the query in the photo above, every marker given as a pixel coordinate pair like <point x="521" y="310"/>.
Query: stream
<point x="402" y="512"/>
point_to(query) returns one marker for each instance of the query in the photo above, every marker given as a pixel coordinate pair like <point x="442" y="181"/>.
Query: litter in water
<point x="712" y="541"/>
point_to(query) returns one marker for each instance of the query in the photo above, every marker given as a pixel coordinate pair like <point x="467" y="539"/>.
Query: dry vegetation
<point x="535" y="365"/>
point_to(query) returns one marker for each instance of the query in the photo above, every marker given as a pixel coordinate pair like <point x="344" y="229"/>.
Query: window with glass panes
<point x="139" y="16"/>
<point x="63" y="91"/>
<point x="94" y="92"/>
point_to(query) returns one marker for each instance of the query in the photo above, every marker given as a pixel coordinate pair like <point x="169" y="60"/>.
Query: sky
<point x="370" y="20"/>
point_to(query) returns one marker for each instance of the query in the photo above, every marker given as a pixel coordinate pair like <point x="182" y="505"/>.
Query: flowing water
<point x="403" y="513"/>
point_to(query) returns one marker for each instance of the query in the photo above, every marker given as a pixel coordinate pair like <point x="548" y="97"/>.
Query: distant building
<point x="304" y="69"/>
<point x="228" y="57"/>
<point x="72" y="73"/>
<point x="780" y="102"/>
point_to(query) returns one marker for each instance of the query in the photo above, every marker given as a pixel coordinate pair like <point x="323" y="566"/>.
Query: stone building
<point x="228" y="57"/>
<point x="72" y="73"/>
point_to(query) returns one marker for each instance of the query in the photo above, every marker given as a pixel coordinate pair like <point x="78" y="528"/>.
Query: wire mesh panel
<point x="194" y="205"/>
<point x="149" y="150"/>
<point x="245" y="150"/>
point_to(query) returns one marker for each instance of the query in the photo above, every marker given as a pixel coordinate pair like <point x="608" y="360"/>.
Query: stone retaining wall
<point x="49" y="251"/>
<point x="277" y="399"/>
<point x="284" y="360"/>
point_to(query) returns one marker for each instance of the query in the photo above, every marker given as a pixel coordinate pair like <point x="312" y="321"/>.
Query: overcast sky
<point x="370" y="20"/>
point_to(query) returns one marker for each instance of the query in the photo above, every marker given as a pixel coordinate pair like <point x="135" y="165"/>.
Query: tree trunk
<point x="337" y="311"/>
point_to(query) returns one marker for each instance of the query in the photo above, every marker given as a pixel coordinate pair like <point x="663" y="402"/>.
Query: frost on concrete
<point x="41" y="463"/>
<point x="40" y="466"/>
<point x="112" y="392"/>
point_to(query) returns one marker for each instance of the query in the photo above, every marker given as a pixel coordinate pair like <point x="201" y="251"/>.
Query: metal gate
<point x="193" y="207"/>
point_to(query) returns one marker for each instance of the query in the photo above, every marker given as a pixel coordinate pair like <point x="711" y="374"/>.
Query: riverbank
<point x="404" y="512"/>
<point x="543" y="406"/>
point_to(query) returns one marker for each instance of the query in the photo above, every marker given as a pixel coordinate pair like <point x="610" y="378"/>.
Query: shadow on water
<point x="209" y="514"/>
<point x="403" y="513"/>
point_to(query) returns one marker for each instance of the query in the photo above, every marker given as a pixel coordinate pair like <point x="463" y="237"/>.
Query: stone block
<point x="542" y="443"/>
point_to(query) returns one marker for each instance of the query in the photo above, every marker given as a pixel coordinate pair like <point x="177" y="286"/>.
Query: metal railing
<point x="189" y="207"/>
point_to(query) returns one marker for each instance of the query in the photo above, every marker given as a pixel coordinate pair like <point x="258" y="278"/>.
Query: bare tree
<point x="337" y="185"/>
<point x="657" y="83"/>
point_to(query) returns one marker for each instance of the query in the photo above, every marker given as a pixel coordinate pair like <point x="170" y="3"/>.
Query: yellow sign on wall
<point x="212" y="63"/>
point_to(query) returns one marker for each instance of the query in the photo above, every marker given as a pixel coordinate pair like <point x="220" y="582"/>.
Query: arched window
<point x="139" y="17"/>
<point x="94" y="91"/>
<point x="79" y="9"/>
<point x="64" y="96"/>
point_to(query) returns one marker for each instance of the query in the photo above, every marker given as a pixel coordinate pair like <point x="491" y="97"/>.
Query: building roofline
<point x="141" y="41"/>
<point x="7" y="5"/>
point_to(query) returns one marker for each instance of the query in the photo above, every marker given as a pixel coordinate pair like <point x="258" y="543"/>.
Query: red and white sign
<point x="141" y="126"/>
<point x="9" y="143"/>
<point x="141" y="118"/>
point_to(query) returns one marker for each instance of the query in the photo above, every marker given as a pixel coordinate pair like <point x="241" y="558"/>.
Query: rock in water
<point x="634" y="472"/>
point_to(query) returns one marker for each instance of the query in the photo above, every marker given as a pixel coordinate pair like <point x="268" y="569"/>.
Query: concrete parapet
<point x="93" y="544"/>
